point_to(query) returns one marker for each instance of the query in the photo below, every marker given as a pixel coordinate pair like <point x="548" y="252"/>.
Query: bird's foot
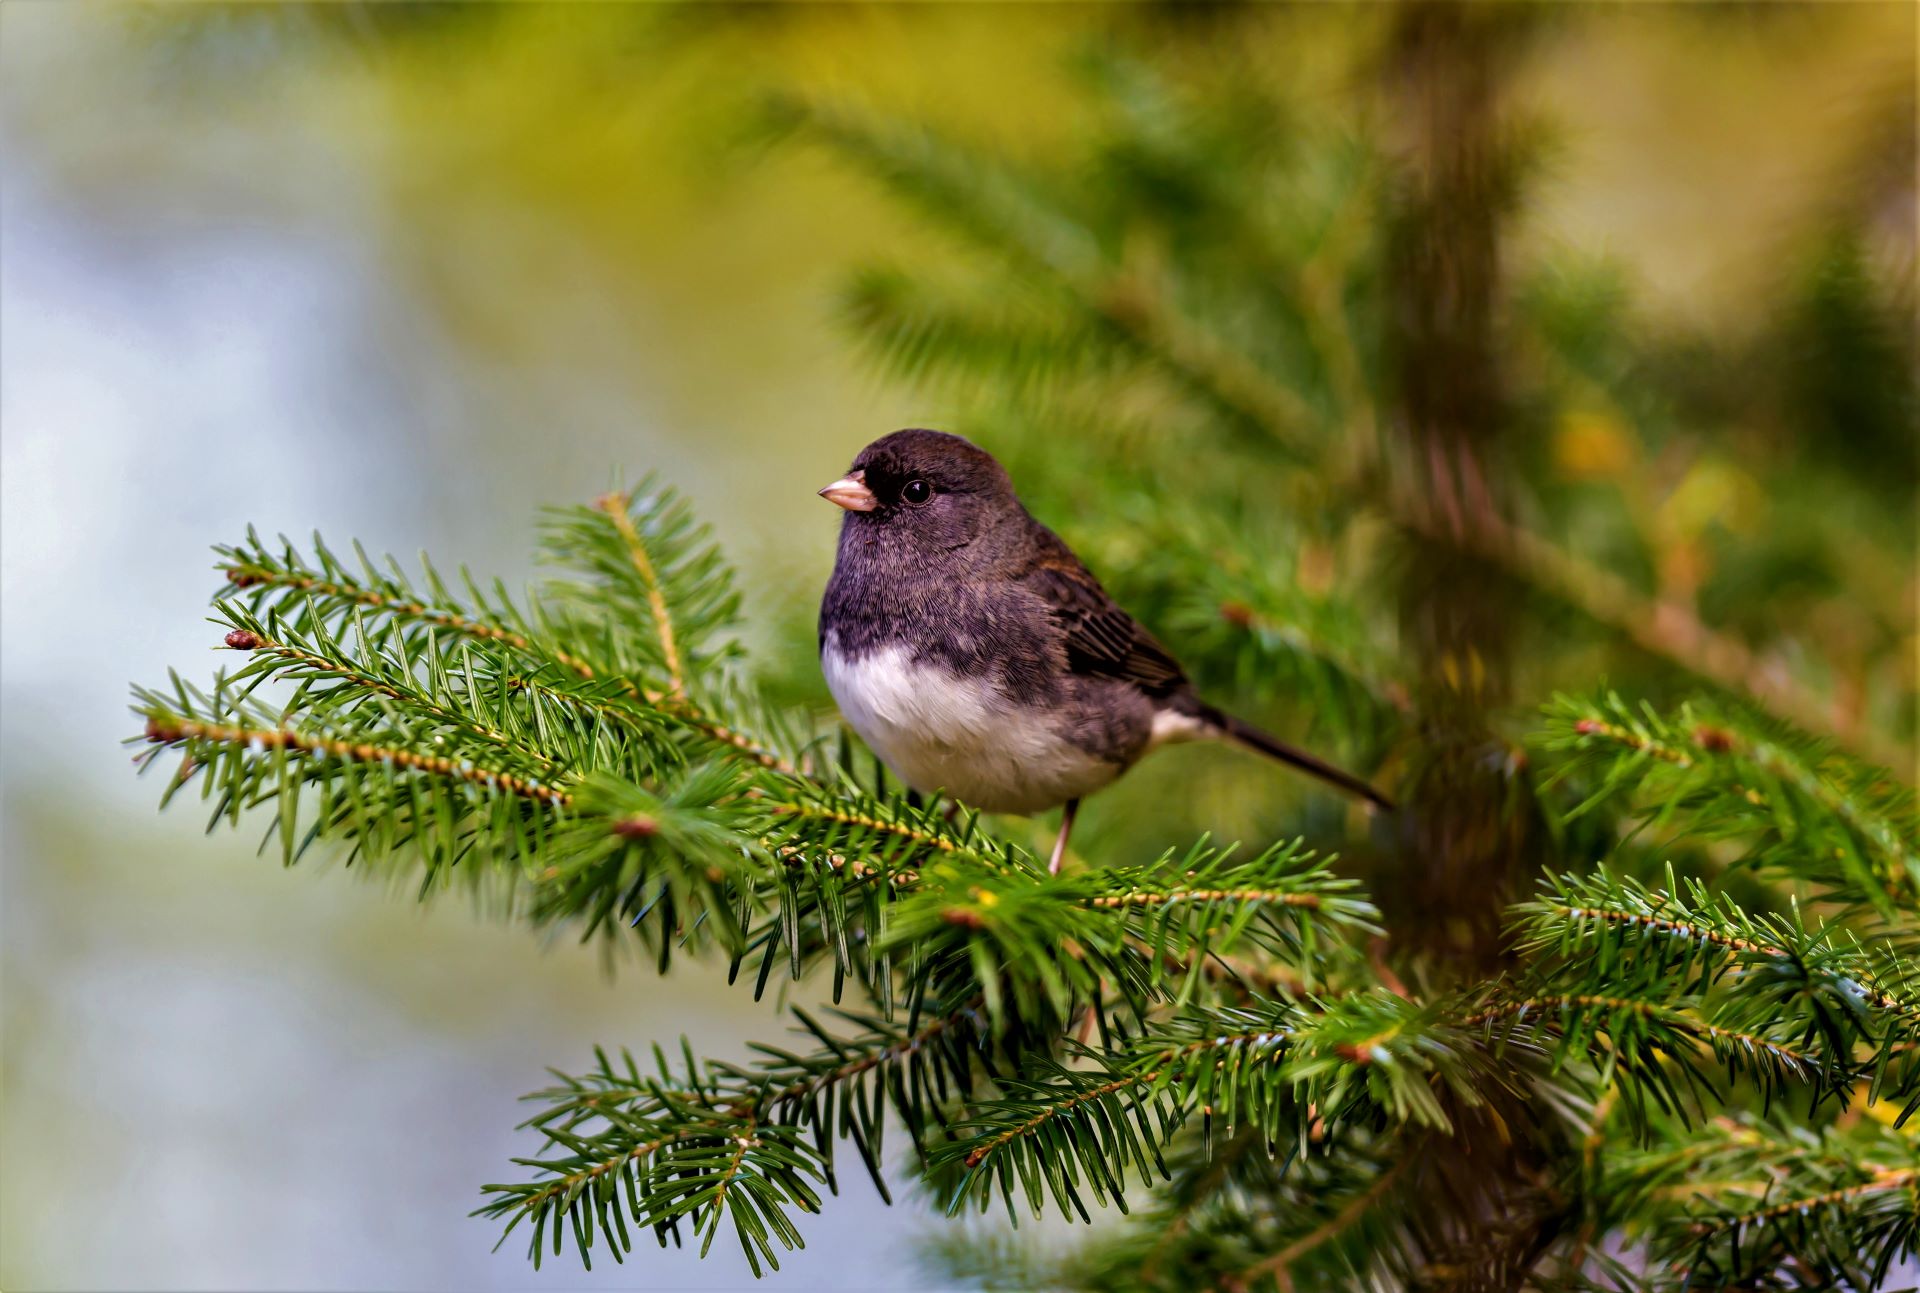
<point x="1060" y="843"/>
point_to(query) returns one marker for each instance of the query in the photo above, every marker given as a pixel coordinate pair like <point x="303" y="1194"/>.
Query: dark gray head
<point x="922" y="492"/>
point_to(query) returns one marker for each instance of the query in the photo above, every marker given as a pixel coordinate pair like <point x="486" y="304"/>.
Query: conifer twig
<point x="1666" y="630"/>
<point x="1356" y="1208"/>
<point x="244" y="575"/>
<point x="617" y="507"/>
<point x="167" y="730"/>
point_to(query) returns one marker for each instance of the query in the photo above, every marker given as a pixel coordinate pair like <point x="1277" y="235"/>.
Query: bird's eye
<point x="916" y="492"/>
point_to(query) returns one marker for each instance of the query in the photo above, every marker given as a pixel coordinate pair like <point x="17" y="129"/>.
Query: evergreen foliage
<point x="1658" y="1030"/>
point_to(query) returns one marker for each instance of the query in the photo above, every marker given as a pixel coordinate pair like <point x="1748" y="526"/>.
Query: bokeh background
<point x="406" y="273"/>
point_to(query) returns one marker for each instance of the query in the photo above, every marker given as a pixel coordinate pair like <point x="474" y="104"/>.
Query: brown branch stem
<point x="1150" y="899"/>
<point x="566" y="1183"/>
<point x="1665" y="630"/>
<point x="1894" y="1179"/>
<point x="819" y="813"/>
<point x="321" y="664"/>
<point x="1685" y="1023"/>
<point x="1078" y="1098"/>
<point x="1278" y="1263"/>
<point x="617" y="506"/>
<point x="165" y="729"/>
<point x="242" y="575"/>
<point x="892" y="1051"/>
<point x="1682" y="929"/>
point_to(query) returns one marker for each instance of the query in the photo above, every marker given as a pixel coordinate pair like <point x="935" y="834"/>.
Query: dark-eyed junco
<point x="969" y="647"/>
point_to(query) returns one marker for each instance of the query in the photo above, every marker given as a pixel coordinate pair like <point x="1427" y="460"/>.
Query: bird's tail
<point x="1275" y="748"/>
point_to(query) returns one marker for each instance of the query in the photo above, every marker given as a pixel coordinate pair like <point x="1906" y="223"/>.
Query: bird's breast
<point x="940" y="730"/>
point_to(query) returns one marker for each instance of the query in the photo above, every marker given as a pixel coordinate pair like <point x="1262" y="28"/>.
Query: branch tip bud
<point x="1716" y="739"/>
<point x="242" y="640"/>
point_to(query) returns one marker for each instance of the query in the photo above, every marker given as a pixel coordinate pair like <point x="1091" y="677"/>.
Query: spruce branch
<point x="1046" y="942"/>
<point x="692" y="843"/>
<point x="368" y="677"/>
<point x="1757" y="1204"/>
<point x="206" y="742"/>
<point x="589" y="768"/>
<point x="929" y="331"/>
<point x="1705" y="940"/>
<point x="1655" y="1050"/>
<point x="651" y="586"/>
<point x="619" y="509"/>
<point x="675" y="1151"/>
<point x="326" y="592"/>
<point x="1351" y="1212"/>
<point x="1660" y="991"/>
<point x="1664" y="630"/>
<point x="1014" y="218"/>
<point x="1814" y="985"/>
<point x="1361" y="1061"/>
<point x="616" y="1118"/>
<point x="391" y="614"/>
<point x="1802" y="808"/>
<point x="624" y="779"/>
<point x="1232" y="1208"/>
<point x="648" y="561"/>
<point x="358" y="775"/>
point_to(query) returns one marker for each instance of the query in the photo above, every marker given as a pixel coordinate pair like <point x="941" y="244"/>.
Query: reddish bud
<point x="965" y="917"/>
<point x="638" y="827"/>
<point x="1589" y="727"/>
<point x="241" y="640"/>
<point x="1716" y="739"/>
<point x="1238" y="614"/>
<point x="243" y="578"/>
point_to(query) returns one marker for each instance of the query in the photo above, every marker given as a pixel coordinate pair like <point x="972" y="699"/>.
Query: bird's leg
<point x="1066" y="829"/>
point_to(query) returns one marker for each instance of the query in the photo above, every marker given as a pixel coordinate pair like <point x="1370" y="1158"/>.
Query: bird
<point x="978" y="657"/>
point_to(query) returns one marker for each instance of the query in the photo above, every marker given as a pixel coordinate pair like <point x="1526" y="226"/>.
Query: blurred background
<point x="406" y="273"/>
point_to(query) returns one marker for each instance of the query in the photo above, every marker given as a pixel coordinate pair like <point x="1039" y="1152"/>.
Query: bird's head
<point x="925" y="491"/>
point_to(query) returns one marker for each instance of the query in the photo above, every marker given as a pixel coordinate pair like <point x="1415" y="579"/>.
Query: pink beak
<point x="851" y="492"/>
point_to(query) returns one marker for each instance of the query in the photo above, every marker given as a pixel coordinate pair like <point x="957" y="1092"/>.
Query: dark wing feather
<point x="1101" y="639"/>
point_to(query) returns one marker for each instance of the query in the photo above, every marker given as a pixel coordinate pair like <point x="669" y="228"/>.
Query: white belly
<point x="942" y="733"/>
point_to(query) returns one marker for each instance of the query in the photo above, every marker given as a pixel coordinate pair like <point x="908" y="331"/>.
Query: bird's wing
<point x="1101" y="639"/>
